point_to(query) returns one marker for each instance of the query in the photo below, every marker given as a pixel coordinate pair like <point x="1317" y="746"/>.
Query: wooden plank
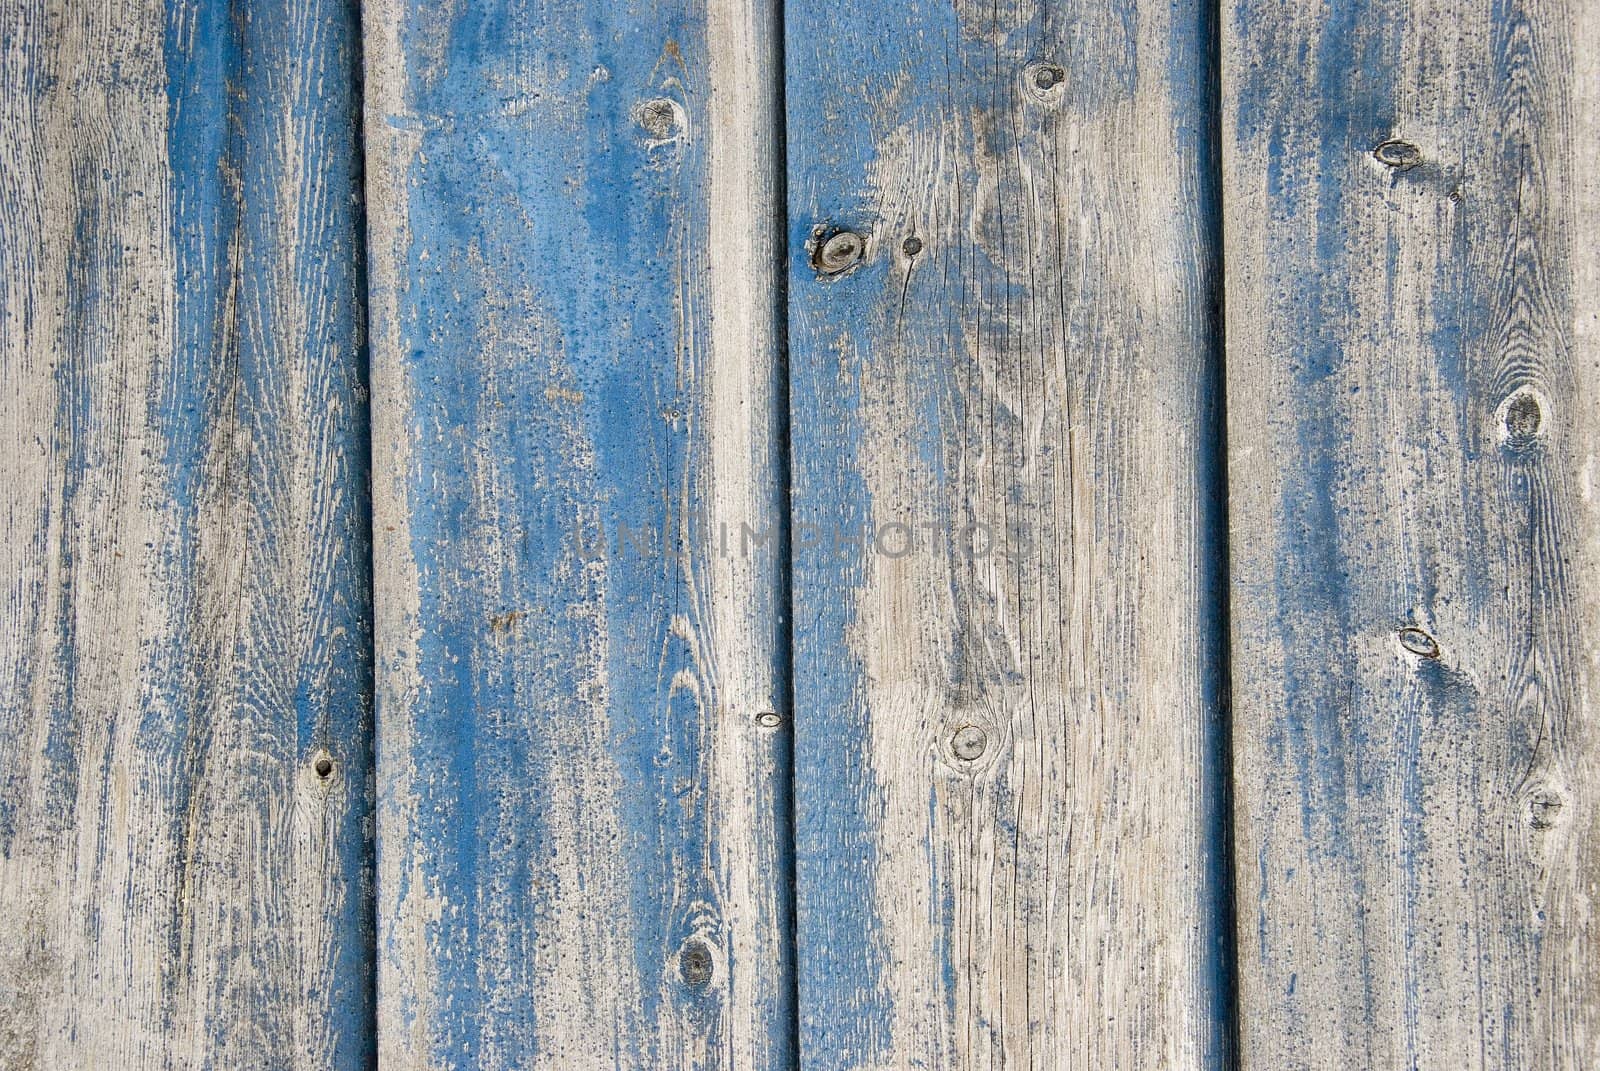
<point x="582" y="816"/>
<point x="1008" y="797"/>
<point x="185" y="629"/>
<point x="1414" y="415"/>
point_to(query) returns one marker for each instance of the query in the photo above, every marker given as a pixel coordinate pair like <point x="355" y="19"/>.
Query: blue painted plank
<point x="1010" y="756"/>
<point x="1414" y="410"/>
<point x="185" y="667"/>
<point x="582" y="800"/>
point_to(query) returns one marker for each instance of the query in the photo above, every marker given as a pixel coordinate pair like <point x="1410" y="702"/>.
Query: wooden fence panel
<point x="994" y="460"/>
<point x="185" y="669"/>
<point x="1413" y="270"/>
<point x="1006" y="532"/>
<point x="582" y="710"/>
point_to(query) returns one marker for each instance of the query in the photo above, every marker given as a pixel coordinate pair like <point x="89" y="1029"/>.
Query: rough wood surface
<point x="1413" y="307"/>
<point x="184" y="630"/>
<point x="582" y="816"/>
<point x="1007" y="784"/>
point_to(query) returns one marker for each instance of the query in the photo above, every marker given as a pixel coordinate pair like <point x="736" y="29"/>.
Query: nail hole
<point x="838" y="253"/>
<point x="969" y="742"/>
<point x="769" y="719"/>
<point x="1400" y="155"/>
<point x="1418" y="643"/>
<point x="694" y="964"/>
<point x="911" y="246"/>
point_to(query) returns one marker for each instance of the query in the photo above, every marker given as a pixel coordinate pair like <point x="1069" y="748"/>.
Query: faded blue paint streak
<point x="86" y="284"/>
<point x="840" y="947"/>
<point x="464" y="683"/>
<point x="1344" y="767"/>
<point x="202" y="57"/>
<point x="845" y="1009"/>
<point x="1311" y="575"/>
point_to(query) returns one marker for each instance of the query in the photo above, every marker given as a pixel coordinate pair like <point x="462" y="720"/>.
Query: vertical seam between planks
<point x="1226" y="912"/>
<point x="363" y="250"/>
<point x="788" y="892"/>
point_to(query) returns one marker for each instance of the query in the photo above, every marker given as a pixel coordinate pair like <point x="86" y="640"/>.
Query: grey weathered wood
<point x="582" y="815"/>
<point x="184" y="624"/>
<point x="1026" y="343"/>
<point x="1414" y="419"/>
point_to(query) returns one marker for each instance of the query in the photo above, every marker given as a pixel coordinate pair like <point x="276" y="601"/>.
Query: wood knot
<point x="1400" y="155"/>
<point x="322" y="765"/>
<point x="1043" y="82"/>
<point x="695" y="963"/>
<point x="969" y="742"/>
<point x="1521" y="417"/>
<point x="1417" y="642"/>
<point x="1544" y="805"/>
<point x="836" y="251"/>
<point x="661" y="118"/>
<point x="911" y="246"/>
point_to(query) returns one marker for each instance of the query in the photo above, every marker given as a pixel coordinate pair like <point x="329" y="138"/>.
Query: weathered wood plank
<point x="185" y="628"/>
<point x="582" y="823"/>
<point x="1007" y="789"/>
<point x="1414" y="418"/>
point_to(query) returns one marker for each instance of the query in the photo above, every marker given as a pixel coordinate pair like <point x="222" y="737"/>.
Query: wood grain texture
<point x="1007" y="580"/>
<point x="582" y="819"/>
<point x="185" y="628"/>
<point x="1414" y="416"/>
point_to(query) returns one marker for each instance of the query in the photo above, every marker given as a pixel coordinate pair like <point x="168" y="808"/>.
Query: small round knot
<point x="1418" y="642"/>
<point x="1543" y="807"/>
<point x="838" y="253"/>
<point x="661" y="118"/>
<point x="322" y="765"/>
<point x="911" y="246"/>
<point x="969" y="742"/>
<point x="1522" y="416"/>
<point x="695" y="963"/>
<point x="1400" y="155"/>
<point x="1048" y="76"/>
